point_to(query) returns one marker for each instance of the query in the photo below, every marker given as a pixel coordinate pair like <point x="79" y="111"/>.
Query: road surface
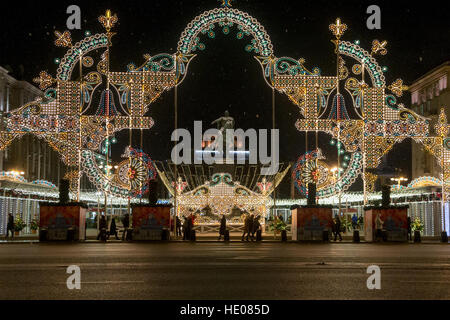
<point x="224" y="271"/>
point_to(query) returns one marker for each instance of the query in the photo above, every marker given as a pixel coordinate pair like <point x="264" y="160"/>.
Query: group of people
<point x="251" y="226"/>
<point x="336" y="228"/>
<point x="113" y="230"/>
<point x="185" y="228"/>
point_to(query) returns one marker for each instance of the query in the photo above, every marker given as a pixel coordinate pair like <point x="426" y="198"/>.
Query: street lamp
<point x="399" y="180"/>
<point x="16" y="173"/>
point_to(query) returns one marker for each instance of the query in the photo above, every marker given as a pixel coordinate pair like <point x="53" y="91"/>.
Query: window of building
<point x="443" y="83"/>
<point x="415" y="97"/>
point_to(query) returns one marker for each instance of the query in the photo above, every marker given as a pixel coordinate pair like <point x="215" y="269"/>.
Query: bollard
<point x="258" y="235"/>
<point x="417" y="238"/>
<point x="384" y="235"/>
<point x="283" y="236"/>
<point x="43" y="234"/>
<point x="165" y="235"/>
<point x="356" y="238"/>
<point x="226" y="236"/>
<point x="444" y="237"/>
<point x="326" y="236"/>
<point x="70" y="234"/>
<point x="129" y="235"/>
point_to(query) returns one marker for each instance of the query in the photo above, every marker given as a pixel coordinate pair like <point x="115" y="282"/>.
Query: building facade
<point x="429" y="94"/>
<point x="30" y="155"/>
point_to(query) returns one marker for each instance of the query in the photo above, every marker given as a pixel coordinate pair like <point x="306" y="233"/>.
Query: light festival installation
<point x="355" y="106"/>
<point x="222" y="195"/>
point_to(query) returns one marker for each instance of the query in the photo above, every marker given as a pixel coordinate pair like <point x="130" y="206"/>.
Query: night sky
<point x="224" y="76"/>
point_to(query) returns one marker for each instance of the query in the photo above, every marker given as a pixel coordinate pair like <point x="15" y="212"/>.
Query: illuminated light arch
<point x="72" y="57"/>
<point x="362" y="56"/>
<point x="421" y="182"/>
<point x="226" y="17"/>
<point x="45" y="183"/>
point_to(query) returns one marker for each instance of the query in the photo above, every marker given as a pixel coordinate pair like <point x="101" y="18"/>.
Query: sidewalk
<point x="213" y="238"/>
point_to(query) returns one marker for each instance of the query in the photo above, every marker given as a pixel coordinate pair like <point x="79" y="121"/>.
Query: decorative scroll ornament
<point x="379" y="47"/>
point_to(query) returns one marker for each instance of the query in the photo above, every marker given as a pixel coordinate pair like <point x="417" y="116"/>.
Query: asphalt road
<point x="224" y="271"/>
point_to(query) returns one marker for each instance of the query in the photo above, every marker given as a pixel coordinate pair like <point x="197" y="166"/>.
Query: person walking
<point x="337" y="229"/>
<point x="378" y="228"/>
<point x="409" y="228"/>
<point x="361" y="222"/>
<point x="178" y="228"/>
<point x="113" y="229"/>
<point x="256" y="226"/>
<point x="223" y="227"/>
<point x="126" y="225"/>
<point x="354" y="221"/>
<point x="250" y="227"/>
<point x="185" y="226"/>
<point x="333" y="228"/>
<point x="102" y="228"/>
<point x="246" y="227"/>
<point x="191" y="222"/>
<point x="10" y="226"/>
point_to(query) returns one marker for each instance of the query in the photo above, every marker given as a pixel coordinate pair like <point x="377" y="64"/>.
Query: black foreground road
<point x="224" y="271"/>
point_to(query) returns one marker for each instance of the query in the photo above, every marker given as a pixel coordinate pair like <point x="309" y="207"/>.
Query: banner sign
<point x="59" y="219"/>
<point x="149" y="222"/>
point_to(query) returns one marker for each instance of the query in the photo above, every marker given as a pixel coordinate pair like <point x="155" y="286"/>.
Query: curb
<point x="215" y="241"/>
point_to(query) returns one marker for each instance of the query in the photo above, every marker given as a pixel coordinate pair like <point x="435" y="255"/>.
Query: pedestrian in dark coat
<point x="223" y="227"/>
<point x="248" y="226"/>
<point x="102" y="226"/>
<point x="10" y="226"/>
<point x="337" y="229"/>
<point x="113" y="229"/>
<point x="409" y="228"/>
<point x="256" y="226"/>
<point x="178" y="228"/>
<point x="126" y="225"/>
<point x="187" y="227"/>
<point x="354" y="221"/>
<point x="361" y="222"/>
